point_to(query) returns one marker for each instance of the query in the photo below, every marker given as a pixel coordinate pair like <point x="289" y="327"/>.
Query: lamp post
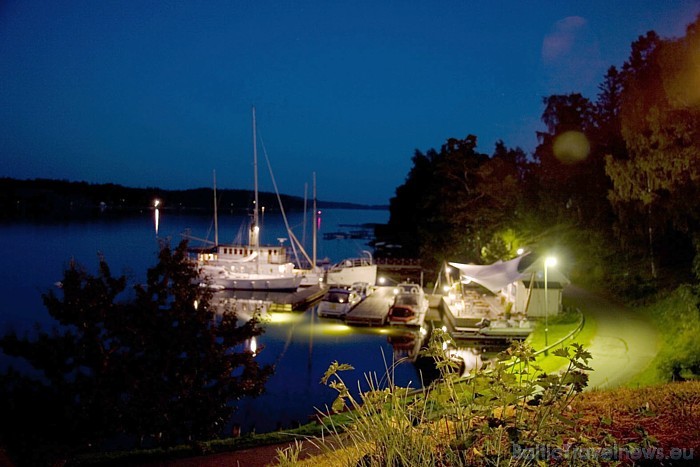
<point x="549" y="261"/>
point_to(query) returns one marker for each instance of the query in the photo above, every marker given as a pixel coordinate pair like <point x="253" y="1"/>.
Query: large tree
<point x="657" y="182"/>
<point x="163" y="366"/>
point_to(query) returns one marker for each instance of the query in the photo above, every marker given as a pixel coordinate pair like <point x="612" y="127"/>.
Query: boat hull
<point x="230" y="281"/>
<point x="346" y="276"/>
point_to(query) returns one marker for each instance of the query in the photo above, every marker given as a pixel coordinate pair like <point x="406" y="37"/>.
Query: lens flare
<point x="571" y="147"/>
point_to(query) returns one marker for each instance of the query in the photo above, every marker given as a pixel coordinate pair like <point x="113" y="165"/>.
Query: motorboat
<point x="352" y="270"/>
<point x="337" y="302"/>
<point x="516" y="329"/>
<point x="409" y="307"/>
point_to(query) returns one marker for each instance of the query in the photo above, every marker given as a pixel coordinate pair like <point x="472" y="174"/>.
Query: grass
<point x="559" y="327"/>
<point x="634" y="424"/>
<point x="676" y="317"/>
<point x="454" y="422"/>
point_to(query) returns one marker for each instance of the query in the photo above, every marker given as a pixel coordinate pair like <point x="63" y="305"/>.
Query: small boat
<point x="505" y="328"/>
<point x="410" y="305"/>
<point x="337" y="302"/>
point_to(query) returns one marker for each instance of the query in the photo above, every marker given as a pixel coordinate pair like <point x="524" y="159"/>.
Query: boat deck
<point x="373" y="310"/>
<point x="463" y="317"/>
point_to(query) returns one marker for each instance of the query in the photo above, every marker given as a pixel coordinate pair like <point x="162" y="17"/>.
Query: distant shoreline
<point x="66" y="199"/>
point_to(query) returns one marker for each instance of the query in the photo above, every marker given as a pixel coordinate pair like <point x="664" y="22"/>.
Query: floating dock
<point x="373" y="310"/>
<point x="300" y="299"/>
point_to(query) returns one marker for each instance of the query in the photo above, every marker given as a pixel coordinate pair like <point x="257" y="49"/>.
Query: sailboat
<point x="248" y="266"/>
<point x="345" y="273"/>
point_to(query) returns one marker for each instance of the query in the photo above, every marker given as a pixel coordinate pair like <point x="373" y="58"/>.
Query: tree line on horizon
<point x="613" y="184"/>
<point x="48" y="198"/>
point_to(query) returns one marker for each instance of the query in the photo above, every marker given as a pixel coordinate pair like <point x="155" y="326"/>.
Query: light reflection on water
<point x="300" y="345"/>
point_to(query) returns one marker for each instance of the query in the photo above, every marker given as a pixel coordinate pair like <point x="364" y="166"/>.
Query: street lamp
<point x="549" y="261"/>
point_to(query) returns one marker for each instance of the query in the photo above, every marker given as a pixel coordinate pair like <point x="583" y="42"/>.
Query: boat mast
<point x="255" y="227"/>
<point x="315" y="221"/>
<point x="216" y="216"/>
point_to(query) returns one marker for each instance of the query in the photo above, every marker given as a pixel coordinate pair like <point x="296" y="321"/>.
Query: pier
<point x="299" y="300"/>
<point x="373" y="310"/>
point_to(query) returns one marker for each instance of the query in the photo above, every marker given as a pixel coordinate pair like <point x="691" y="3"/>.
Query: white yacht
<point x="248" y="266"/>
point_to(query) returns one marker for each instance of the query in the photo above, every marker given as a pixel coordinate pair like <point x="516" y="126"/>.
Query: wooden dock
<point x="373" y="310"/>
<point x="298" y="300"/>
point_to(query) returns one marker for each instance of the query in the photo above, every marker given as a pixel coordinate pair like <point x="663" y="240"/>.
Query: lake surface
<point x="300" y="345"/>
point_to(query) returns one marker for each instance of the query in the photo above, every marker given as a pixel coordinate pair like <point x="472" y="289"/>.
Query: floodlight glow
<point x="550" y="261"/>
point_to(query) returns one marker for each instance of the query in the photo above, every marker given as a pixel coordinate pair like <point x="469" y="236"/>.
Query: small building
<point x="521" y="282"/>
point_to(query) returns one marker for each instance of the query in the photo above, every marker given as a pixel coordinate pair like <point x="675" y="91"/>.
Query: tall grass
<point x="676" y="316"/>
<point x="454" y="421"/>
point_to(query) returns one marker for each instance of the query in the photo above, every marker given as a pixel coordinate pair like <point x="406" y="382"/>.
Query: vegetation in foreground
<point x="511" y="414"/>
<point x="151" y="369"/>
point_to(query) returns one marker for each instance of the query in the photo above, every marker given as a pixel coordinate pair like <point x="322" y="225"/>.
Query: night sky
<point x="145" y="93"/>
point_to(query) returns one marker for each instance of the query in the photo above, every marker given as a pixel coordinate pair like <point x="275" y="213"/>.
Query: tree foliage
<point x="455" y="201"/>
<point x="162" y="366"/>
<point x="620" y="176"/>
<point x="658" y="181"/>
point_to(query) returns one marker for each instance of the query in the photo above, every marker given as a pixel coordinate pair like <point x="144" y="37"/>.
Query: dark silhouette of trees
<point x="459" y="203"/>
<point x="618" y="178"/>
<point x="657" y="184"/>
<point x="161" y="367"/>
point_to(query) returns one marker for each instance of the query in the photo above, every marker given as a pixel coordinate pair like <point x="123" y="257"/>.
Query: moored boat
<point x="337" y="302"/>
<point x="353" y="270"/>
<point x="409" y="307"/>
<point x="248" y="266"/>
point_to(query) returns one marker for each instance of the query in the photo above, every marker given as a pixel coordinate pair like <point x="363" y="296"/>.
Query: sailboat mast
<point x="315" y="220"/>
<point x="216" y="215"/>
<point x="256" y="227"/>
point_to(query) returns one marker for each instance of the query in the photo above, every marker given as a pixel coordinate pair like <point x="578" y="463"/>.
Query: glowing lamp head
<point x="550" y="261"/>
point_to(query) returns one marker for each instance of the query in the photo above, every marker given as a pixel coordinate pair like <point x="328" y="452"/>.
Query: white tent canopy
<point x="496" y="276"/>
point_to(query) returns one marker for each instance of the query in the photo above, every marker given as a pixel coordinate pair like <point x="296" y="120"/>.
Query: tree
<point x="162" y="365"/>
<point x="658" y="181"/>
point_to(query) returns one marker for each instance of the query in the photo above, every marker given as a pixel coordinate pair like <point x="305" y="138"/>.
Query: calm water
<point x="299" y="344"/>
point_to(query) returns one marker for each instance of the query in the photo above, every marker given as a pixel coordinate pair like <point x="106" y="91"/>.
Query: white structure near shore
<point x="519" y="282"/>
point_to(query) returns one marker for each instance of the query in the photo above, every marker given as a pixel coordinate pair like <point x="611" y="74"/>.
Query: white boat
<point x="506" y="328"/>
<point x="410" y="305"/>
<point x="337" y="302"/>
<point x="353" y="270"/>
<point x="248" y="266"/>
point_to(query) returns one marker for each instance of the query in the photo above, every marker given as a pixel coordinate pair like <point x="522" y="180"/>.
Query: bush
<point x="456" y="421"/>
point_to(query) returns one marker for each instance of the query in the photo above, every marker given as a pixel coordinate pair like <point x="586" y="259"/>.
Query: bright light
<point x="446" y="288"/>
<point x="280" y="318"/>
<point x="253" y="345"/>
<point x="444" y="329"/>
<point x="520" y="251"/>
<point x="448" y="269"/>
<point x="156" y="203"/>
<point x="382" y="280"/>
<point x="550" y="261"/>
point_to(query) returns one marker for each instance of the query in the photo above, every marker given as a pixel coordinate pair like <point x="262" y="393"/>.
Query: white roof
<point x="496" y="276"/>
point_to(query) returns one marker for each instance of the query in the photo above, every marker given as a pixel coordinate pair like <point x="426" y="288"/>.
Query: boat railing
<point x="352" y="262"/>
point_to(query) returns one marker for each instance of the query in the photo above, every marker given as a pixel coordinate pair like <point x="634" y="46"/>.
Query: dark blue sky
<point x="146" y="93"/>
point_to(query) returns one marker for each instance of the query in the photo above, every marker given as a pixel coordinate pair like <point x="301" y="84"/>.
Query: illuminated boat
<point x="337" y="302"/>
<point x="409" y="307"/>
<point x="248" y="266"/>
